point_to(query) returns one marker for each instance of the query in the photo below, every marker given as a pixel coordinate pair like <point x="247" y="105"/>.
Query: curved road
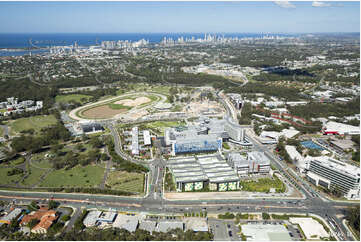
<point x="155" y="203"/>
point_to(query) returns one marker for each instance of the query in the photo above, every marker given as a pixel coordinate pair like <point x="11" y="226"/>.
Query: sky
<point x="175" y="17"/>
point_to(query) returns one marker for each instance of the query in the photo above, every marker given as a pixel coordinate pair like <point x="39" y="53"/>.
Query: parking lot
<point x="223" y="230"/>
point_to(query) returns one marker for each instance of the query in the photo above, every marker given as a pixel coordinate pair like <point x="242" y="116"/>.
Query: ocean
<point x="14" y="41"/>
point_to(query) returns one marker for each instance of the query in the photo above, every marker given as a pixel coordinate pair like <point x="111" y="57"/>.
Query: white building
<point x="301" y="162"/>
<point x="340" y="129"/>
<point x="135" y="141"/>
<point x="329" y="173"/>
<point x="126" y="222"/>
<point x="312" y="229"/>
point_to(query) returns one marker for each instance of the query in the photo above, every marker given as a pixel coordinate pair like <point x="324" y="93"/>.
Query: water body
<point x="46" y="40"/>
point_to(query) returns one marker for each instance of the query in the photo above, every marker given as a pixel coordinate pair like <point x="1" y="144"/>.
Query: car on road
<point x="228" y="226"/>
<point x="230" y="233"/>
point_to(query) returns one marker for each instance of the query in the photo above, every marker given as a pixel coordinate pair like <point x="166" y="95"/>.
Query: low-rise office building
<point x="254" y="163"/>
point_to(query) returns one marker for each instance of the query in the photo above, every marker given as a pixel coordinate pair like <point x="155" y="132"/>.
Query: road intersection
<point x="154" y="201"/>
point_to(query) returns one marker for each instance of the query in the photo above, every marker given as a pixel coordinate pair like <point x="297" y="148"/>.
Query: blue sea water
<point x="9" y="41"/>
<point x="42" y="40"/>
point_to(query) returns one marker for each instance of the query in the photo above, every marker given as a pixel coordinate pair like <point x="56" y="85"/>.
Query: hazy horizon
<point x="180" y="17"/>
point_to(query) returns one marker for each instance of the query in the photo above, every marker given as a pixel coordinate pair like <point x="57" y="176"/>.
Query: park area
<point x="79" y="98"/>
<point x="263" y="185"/>
<point x="36" y="123"/>
<point x="126" y="181"/>
<point x="160" y="126"/>
<point x="78" y="176"/>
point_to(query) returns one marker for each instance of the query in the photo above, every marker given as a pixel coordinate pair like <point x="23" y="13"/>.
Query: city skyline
<point x="179" y="17"/>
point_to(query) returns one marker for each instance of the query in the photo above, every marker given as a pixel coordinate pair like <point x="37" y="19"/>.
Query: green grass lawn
<point x="33" y="177"/>
<point x="87" y="176"/>
<point x="263" y="185"/>
<point x="161" y="89"/>
<point x="125" y="181"/>
<point x="35" y="122"/>
<point x="8" y="180"/>
<point x="1" y="132"/>
<point x="17" y="161"/>
<point x="39" y="160"/>
<point x="118" y="106"/>
<point x="72" y="98"/>
<point x="177" y="108"/>
<point x="160" y="126"/>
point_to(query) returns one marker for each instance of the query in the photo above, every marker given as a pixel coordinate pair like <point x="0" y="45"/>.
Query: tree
<point x="96" y="142"/>
<point x="65" y="218"/>
<point x="52" y="204"/>
<point x="353" y="216"/>
<point x="32" y="223"/>
<point x="265" y="216"/>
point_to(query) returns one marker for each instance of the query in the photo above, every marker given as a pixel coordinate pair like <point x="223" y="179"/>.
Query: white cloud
<point x="285" y="4"/>
<point x="318" y="4"/>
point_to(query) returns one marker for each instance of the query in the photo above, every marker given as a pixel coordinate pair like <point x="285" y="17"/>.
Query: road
<point x="155" y="203"/>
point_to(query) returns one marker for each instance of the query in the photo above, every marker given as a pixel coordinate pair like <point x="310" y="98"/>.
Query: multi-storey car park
<point x="192" y="174"/>
<point x="254" y="163"/>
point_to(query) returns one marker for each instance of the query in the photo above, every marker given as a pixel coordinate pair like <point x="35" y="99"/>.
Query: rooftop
<point x="259" y="158"/>
<point x="166" y="226"/>
<point x="126" y="222"/>
<point x="341" y="167"/>
<point x="268" y="232"/>
<point x="310" y="227"/>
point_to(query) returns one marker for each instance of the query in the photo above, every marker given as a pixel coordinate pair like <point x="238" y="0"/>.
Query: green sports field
<point x="125" y="181"/>
<point x="72" y="98"/>
<point x="35" y="122"/>
<point x="87" y="176"/>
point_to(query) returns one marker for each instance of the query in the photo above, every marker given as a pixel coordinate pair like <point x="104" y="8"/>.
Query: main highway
<point x="154" y="202"/>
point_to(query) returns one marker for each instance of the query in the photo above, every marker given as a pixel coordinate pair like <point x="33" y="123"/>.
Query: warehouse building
<point x="265" y="232"/>
<point x="331" y="173"/>
<point x="193" y="174"/>
<point x="340" y="129"/>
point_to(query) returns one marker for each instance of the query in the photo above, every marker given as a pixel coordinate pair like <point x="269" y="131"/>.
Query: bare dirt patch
<point x="133" y="103"/>
<point x="103" y="111"/>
